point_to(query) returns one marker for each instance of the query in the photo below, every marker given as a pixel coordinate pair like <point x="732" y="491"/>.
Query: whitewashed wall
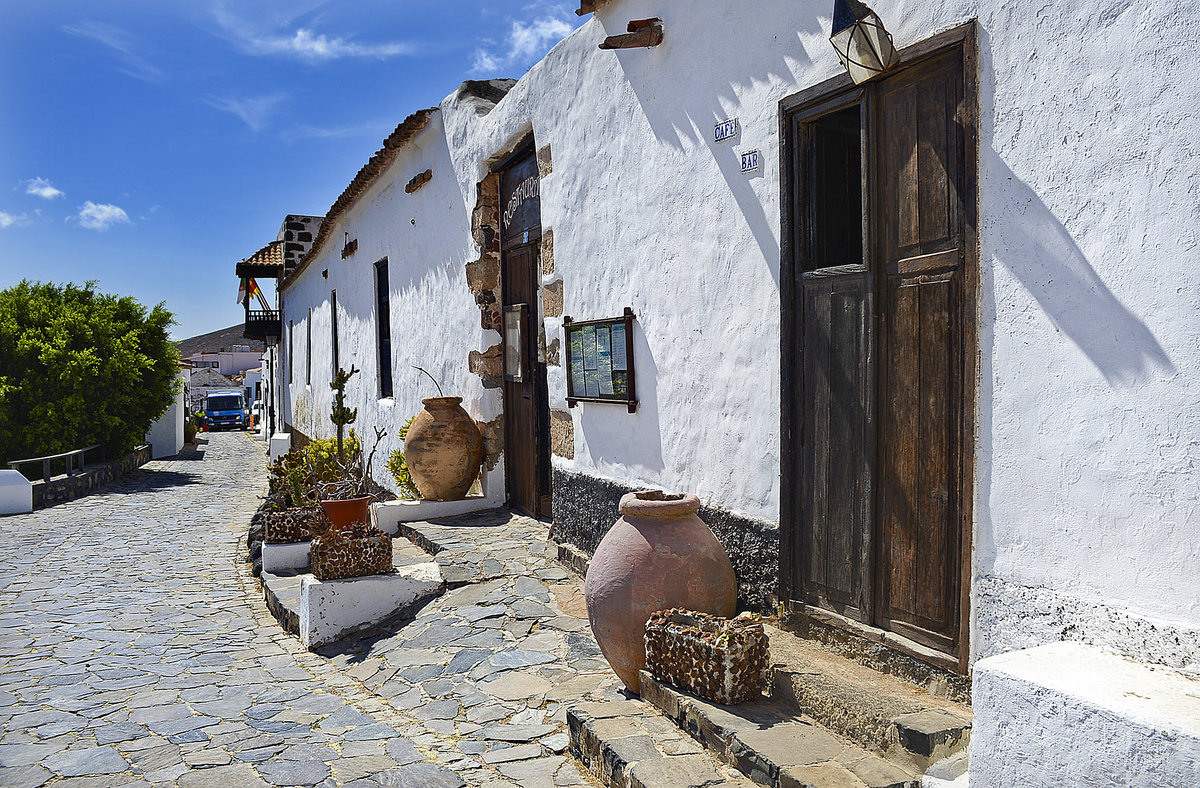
<point x="434" y="321"/>
<point x="1086" y="468"/>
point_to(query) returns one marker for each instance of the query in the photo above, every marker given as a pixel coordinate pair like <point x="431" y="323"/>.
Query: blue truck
<point x="226" y="409"/>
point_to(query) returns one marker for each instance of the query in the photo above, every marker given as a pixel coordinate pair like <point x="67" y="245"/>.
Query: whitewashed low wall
<point x="16" y="493"/>
<point x="1067" y="714"/>
<point x="332" y="609"/>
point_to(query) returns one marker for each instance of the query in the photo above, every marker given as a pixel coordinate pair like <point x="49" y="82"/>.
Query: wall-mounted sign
<point x="600" y="361"/>
<point x="725" y="130"/>
<point x="751" y="161"/>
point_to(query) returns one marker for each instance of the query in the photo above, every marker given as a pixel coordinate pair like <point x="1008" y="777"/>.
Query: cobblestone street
<point x="136" y="649"/>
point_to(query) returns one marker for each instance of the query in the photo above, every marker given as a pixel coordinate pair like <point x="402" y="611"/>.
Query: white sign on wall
<point x="725" y="130"/>
<point x="751" y="161"/>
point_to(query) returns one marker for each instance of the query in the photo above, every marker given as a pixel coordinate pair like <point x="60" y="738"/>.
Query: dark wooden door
<point x="920" y="188"/>
<point x="879" y="309"/>
<point x="526" y="403"/>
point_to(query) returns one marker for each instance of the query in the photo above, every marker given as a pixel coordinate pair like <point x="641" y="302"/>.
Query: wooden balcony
<point x="262" y="324"/>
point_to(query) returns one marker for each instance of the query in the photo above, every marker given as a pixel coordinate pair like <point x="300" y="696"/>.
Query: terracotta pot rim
<point x="656" y="503"/>
<point x="359" y="499"/>
<point x="441" y="402"/>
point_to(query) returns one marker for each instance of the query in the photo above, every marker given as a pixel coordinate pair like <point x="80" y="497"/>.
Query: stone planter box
<point x="354" y="552"/>
<point x="292" y="526"/>
<point x="720" y="659"/>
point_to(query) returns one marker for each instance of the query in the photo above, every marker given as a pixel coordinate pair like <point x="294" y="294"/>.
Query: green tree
<point x="79" y="367"/>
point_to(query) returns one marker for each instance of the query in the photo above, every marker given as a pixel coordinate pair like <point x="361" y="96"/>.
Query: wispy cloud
<point x="527" y="40"/>
<point x="41" y="187"/>
<point x="302" y="42"/>
<point x="126" y="45"/>
<point x="255" y="112"/>
<point x="13" y="220"/>
<point x="305" y="132"/>
<point x="100" y="216"/>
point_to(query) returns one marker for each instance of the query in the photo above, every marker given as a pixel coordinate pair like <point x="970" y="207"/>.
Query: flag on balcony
<point x="248" y="288"/>
<point x="242" y="290"/>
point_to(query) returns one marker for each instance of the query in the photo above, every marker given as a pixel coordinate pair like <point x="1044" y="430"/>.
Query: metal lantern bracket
<point x="599" y="361"/>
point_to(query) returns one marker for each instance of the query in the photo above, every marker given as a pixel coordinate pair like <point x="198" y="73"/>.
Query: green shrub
<point x="78" y="367"/>
<point x="405" y="487"/>
<point x="322" y="456"/>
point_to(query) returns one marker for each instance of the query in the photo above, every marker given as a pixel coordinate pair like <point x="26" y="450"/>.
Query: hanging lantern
<point x="863" y="44"/>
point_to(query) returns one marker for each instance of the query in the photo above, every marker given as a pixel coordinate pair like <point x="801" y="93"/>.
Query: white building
<point x="926" y="348"/>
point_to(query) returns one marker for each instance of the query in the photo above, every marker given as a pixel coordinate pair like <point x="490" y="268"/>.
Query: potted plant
<point x="443" y="449"/>
<point x="343" y="481"/>
<point x="292" y="514"/>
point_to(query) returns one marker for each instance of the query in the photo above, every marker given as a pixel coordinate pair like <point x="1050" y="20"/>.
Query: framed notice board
<point x="600" y="361"/>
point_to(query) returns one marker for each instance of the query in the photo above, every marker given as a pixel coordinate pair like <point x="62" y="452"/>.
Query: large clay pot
<point x="443" y="449"/>
<point x="343" y="514"/>
<point x="659" y="555"/>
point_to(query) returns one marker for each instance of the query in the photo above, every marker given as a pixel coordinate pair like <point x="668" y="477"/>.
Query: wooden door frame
<point x="525" y="148"/>
<point x="835" y="93"/>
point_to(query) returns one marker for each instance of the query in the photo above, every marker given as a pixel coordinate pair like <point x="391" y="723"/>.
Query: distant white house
<point x="166" y="433"/>
<point x="232" y="362"/>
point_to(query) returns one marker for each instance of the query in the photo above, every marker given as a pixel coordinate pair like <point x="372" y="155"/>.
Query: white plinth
<point x="16" y="493"/>
<point x="281" y="442"/>
<point x="389" y="514"/>
<point x="1071" y="715"/>
<point x="285" y="557"/>
<point x="332" y="609"/>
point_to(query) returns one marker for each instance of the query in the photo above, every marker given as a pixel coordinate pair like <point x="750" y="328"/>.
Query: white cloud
<point x="100" y="216"/>
<point x="124" y="44"/>
<point x="527" y="41"/>
<point x="256" y="37"/>
<point x="41" y="187"/>
<point x="255" y="112"/>
<point x="12" y="219"/>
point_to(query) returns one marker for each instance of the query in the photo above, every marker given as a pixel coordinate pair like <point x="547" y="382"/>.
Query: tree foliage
<point x="79" y="367"/>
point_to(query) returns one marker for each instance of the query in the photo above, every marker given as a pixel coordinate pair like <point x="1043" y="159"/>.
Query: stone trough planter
<point x="292" y="525"/>
<point x="720" y="659"/>
<point x="350" y="552"/>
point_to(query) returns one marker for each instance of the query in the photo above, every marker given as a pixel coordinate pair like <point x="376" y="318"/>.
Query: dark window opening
<point x="383" y="328"/>
<point x="833" y="186"/>
<point x="308" y="349"/>
<point x="291" y="330"/>
<point x="333" y="329"/>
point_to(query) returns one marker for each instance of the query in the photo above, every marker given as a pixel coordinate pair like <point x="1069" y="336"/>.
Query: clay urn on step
<point x="443" y="449"/>
<point x="659" y="555"/>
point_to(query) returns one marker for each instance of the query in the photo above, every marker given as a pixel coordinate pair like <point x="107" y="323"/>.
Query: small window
<point x="383" y="328"/>
<point x="833" y="190"/>
<point x="333" y="331"/>
<point x="291" y="330"/>
<point x="308" y="349"/>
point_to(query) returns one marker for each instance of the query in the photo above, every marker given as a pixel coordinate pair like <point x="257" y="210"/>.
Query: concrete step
<point x="768" y="742"/>
<point x="878" y="712"/>
<point x="627" y="744"/>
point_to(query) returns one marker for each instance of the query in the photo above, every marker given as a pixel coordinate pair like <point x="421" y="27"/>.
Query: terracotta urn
<point x="443" y="449"/>
<point x="659" y="555"/>
<point x="343" y="514"/>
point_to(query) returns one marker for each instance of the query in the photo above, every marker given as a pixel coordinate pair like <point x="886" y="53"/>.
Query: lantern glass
<point x="863" y="45"/>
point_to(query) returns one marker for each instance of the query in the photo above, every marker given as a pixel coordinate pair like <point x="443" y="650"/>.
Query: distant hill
<point x="218" y="341"/>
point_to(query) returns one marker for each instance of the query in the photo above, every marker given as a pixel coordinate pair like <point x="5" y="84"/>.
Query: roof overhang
<point x="266" y="262"/>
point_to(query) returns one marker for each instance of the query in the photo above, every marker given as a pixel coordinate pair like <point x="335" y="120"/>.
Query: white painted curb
<point x="331" y="609"/>
<point x="285" y="557"/>
<point x="16" y="493"/>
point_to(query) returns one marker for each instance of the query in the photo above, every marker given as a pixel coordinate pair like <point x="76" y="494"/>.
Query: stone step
<point x="627" y="744"/>
<point x="768" y="742"/>
<point x="913" y="726"/>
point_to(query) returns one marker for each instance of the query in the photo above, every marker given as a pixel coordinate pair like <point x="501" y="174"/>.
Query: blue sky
<point x="151" y="145"/>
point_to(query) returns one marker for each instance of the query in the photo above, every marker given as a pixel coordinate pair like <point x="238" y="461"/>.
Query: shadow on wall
<point x="1035" y="246"/>
<point x="620" y="442"/>
<point x="690" y="62"/>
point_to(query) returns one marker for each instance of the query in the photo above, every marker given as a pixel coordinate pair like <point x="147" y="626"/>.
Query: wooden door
<point x="878" y="305"/>
<point x="920" y="186"/>
<point x="526" y="408"/>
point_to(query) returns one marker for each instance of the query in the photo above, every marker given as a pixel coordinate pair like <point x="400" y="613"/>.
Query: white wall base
<point x="281" y="442"/>
<point x="390" y="514"/>
<point x="16" y="493"/>
<point x="331" y="609"/>
<point x="285" y="557"/>
<point x="1070" y="714"/>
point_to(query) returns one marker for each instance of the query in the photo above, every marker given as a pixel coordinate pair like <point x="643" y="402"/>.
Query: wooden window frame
<point x="383" y="328"/>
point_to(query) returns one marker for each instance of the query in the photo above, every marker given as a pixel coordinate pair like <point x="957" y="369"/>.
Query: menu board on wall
<point x="600" y="360"/>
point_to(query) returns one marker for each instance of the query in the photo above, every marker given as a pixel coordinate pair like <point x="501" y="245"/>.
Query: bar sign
<point x="725" y="130"/>
<point x="751" y="161"/>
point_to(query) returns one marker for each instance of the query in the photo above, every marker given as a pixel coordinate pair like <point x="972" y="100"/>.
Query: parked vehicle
<point x="226" y="408"/>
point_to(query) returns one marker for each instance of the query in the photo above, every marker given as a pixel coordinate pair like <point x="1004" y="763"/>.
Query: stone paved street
<point x="135" y="649"/>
